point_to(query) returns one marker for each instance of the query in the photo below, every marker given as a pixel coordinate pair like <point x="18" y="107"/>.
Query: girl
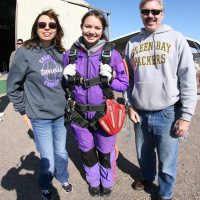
<point x="96" y="146"/>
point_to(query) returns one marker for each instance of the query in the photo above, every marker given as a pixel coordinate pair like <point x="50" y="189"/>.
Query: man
<point x="18" y="45"/>
<point x="161" y="97"/>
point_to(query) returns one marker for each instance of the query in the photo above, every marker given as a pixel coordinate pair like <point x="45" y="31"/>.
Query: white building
<point x="70" y="14"/>
<point x="17" y="18"/>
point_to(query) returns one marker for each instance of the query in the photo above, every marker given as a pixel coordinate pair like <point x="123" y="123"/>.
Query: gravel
<point x="20" y="163"/>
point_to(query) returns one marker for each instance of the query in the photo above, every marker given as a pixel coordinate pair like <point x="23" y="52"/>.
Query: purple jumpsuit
<point x="97" y="147"/>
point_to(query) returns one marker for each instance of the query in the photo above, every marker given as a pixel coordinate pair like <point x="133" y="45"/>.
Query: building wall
<point x="69" y="15"/>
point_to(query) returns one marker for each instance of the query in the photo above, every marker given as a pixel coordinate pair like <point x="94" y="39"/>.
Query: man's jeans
<point x="154" y="134"/>
<point x="50" y="140"/>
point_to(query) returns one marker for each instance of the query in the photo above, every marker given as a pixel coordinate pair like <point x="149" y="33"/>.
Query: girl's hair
<point x="35" y="40"/>
<point x="98" y="14"/>
<point x="142" y="2"/>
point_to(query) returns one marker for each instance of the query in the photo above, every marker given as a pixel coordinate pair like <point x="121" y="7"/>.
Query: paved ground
<point x="19" y="164"/>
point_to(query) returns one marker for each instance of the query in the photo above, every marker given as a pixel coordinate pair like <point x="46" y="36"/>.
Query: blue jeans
<point x="50" y="140"/>
<point x="153" y="135"/>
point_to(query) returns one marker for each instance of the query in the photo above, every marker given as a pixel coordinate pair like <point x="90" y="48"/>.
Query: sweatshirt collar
<point x="95" y="48"/>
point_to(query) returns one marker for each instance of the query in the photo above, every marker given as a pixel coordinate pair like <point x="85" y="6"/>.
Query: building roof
<point x="121" y="41"/>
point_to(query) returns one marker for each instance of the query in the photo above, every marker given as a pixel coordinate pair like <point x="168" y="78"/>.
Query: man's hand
<point x="133" y="115"/>
<point x="181" y="127"/>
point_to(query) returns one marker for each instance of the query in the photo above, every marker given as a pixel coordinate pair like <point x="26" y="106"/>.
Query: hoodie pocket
<point x="151" y="96"/>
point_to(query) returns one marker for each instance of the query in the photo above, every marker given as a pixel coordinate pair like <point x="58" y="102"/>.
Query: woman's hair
<point x="142" y="2"/>
<point x="35" y="40"/>
<point x="98" y="14"/>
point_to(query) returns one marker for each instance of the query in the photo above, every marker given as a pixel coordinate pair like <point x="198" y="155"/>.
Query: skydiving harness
<point x="86" y="83"/>
<point x="74" y="110"/>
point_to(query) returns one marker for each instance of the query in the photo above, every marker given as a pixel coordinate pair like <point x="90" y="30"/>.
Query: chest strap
<point x="87" y="107"/>
<point x="86" y="83"/>
<point x="73" y="105"/>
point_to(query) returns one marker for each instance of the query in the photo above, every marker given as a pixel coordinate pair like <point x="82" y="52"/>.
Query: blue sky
<point x="183" y="16"/>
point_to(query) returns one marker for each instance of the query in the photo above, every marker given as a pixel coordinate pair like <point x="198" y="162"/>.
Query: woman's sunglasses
<point x="153" y="12"/>
<point x="42" y="25"/>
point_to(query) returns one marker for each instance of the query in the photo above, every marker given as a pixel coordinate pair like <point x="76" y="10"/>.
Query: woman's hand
<point x="27" y="121"/>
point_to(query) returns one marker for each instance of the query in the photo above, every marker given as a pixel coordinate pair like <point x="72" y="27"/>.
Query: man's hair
<point x="142" y="2"/>
<point x="20" y="40"/>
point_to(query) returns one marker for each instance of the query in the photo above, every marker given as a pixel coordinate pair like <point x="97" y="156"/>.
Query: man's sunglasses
<point x="42" y="25"/>
<point x="153" y="12"/>
<point x="19" y="43"/>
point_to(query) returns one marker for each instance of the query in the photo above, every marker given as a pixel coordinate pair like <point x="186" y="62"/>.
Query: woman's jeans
<point x="50" y="140"/>
<point x="154" y="134"/>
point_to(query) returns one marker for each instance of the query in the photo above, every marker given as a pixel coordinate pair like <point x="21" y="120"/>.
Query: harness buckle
<point x="73" y="52"/>
<point x="86" y="83"/>
<point x="106" y="53"/>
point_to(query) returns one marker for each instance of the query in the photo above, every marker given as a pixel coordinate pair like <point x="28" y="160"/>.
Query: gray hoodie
<point x="161" y="71"/>
<point x="96" y="47"/>
<point x="34" y="83"/>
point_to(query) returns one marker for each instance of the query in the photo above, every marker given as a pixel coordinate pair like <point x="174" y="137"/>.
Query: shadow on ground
<point x="74" y="152"/>
<point x="134" y="172"/>
<point x="24" y="178"/>
<point x="128" y="167"/>
<point x="4" y="101"/>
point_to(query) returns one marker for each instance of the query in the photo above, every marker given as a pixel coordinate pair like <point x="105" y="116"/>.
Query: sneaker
<point x="141" y="185"/>
<point x="67" y="187"/>
<point x="2" y="114"/>
<point x="47" y="195"/>
<point x="105" y="192"/>
<point x="94" y="191"/>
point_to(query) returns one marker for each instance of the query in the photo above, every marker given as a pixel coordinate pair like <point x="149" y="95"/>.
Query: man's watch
<point x="128" y="106"/>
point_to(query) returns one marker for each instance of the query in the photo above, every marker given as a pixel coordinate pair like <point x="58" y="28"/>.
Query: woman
<point x="34" y="87"/>
<point x="96" y="146"/>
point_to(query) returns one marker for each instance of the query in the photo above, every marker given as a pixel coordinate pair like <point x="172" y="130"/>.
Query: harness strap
<point x="107" y="91"/>
<point x="86" y="83"/>
<point x="87" y="107"/>
<point x="106" y="53"/>
<point x="90" y="82"/>
<point x="77" y="118"/>
<point x="73" y="54"/>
